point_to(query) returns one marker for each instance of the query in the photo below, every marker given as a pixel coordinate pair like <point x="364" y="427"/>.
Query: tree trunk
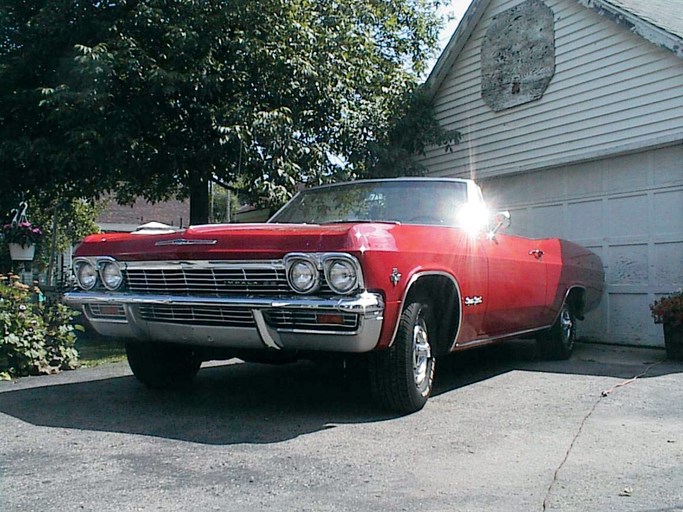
<point x="199" y="198"/>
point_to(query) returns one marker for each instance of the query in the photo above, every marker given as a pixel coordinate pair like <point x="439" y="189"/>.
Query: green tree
<point x="154" y="98"/>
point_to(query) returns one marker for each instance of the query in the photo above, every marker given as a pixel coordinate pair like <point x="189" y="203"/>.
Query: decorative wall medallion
<point x="518" y="55"/>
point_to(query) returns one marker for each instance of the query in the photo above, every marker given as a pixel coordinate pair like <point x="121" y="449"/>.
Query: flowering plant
<point x="23" y="233"/>
<point x="37" y="334"/>
<point x="669" y="309"/>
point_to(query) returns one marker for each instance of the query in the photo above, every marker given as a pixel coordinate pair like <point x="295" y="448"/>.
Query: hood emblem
<point x="184" y="241"/>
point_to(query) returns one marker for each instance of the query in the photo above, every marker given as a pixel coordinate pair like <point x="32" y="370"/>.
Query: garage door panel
<point x="628" y="216"/>
<point x="550" y="188"/>
<point x="626" y="325"/>
<point x="625" y="173"/>
<point x="669" y="165"/>
<point x="585" y="179"/>
<point x="628" y="265"/>
<point x="585" y="220"/>
<point x="669" y="264"/>
<point x="593" y="327"/>
<point x="549" y="221"/>
<point x="668" y="208"/>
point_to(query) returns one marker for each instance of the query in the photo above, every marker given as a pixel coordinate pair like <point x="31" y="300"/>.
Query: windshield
<point x="408" y="202"/>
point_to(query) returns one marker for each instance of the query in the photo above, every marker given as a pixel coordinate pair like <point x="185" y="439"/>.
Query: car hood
<point x="239" y="241"/>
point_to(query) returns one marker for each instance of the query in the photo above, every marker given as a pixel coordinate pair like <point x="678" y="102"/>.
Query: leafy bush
<point x="668" y="309"/>
<point x="37" y="336"/>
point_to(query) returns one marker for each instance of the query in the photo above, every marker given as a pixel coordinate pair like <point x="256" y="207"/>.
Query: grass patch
<point x="98" y="351"/>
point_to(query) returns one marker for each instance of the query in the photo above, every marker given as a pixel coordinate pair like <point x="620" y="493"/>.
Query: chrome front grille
<point x="227" y="316"/>
<point x="235" y="316"/>
<point x="310" y="319"/>
<point x="212" y="279"/>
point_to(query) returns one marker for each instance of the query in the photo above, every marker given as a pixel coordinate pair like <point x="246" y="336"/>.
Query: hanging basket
<point x="22" y="253"/>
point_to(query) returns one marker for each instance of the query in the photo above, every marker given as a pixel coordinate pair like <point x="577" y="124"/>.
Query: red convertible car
<point x="405" y="270"/>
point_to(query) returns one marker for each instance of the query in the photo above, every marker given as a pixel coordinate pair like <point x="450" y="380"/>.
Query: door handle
<point x="536" y="253"/>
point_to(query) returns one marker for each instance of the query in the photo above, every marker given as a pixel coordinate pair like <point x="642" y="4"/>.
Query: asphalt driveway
<point x="504" y="432"/>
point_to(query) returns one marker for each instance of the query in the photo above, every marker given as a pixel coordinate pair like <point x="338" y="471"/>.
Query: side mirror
<point x="501" y="221"/>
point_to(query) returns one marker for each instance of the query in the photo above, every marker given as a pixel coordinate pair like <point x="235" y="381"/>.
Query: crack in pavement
<point x="604" y="394"/>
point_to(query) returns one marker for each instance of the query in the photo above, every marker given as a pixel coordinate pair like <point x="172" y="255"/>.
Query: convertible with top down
<point x="402" y="271"/>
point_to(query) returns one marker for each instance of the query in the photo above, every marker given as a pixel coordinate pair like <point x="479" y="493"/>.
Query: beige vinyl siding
<point x="612" y="92"/>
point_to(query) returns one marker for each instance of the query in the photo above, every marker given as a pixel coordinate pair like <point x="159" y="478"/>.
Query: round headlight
<point x="303" y="276"/>
<point x="86" y="275"/>
<point x="341" y="276"/>
<point x="111" y="276"/>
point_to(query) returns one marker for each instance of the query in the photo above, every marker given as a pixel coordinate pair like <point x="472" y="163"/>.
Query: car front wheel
<point x="162" y="365"/>
<point x="401" y="377"/>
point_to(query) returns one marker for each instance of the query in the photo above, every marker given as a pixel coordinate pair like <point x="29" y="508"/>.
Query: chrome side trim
<point x="185" y="241"/>
<point x="410" y="284"/>
<point x="503" y="336"/>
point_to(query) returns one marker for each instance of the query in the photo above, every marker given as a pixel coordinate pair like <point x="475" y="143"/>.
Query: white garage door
<point x="627" y="209"/>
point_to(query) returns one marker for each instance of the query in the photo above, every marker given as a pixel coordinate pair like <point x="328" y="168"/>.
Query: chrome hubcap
<point x="422" y="353"/>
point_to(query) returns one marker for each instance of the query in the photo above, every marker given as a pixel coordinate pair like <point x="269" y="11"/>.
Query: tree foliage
<point x="153" y="98"/>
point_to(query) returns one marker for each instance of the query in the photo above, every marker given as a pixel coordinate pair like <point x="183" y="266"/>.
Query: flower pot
<point x="673" y="341"/>
<point x="22" y="253"/>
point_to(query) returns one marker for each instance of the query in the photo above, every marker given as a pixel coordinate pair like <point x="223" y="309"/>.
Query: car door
<point x="516" y="296"/>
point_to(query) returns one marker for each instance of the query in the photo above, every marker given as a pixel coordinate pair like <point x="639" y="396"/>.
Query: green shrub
<point x="36" y="335"/>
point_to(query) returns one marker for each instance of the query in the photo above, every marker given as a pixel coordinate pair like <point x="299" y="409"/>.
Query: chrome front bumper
<point x="127" y="320"/>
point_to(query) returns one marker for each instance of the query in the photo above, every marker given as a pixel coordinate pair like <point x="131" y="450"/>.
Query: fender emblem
<point x="184" y="241"/>
<point x="395" y="276"/>
<point x="473" y="301"/>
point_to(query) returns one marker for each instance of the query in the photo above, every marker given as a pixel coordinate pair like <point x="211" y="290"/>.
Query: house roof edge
<point x="455" y="45"/>
<point x="637" y="24"/>
<point x="644" y="28"/>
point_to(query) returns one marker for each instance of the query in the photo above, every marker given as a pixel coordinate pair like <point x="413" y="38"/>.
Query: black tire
<point x="401" y="377"/>
<point x="557" y="343"/>
<point x="162" y="365"/>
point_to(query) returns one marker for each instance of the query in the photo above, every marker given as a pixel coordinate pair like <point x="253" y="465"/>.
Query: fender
<point x="413" y="280"/>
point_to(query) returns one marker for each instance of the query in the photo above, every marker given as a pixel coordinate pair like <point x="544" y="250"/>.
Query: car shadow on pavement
<point x="251" y="403"/>
<point x="470" y="366"/>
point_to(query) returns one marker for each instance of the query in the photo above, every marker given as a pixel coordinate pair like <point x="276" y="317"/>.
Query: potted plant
<point x="22" y="237"/>
<point x="668" y="311"/>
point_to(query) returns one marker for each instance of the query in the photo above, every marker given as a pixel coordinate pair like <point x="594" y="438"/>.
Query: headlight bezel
<point x="105" y="263"/>
<point x="98" y="266"/>
<point x="307" y="260"/>
<point x="321" y="267"/>
<point x="350" y="262"/>
<point x="78" y="266"/>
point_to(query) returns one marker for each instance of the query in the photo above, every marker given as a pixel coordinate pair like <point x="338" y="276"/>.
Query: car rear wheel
<point x="558" y="342"/>
<point x="162" y="365"/>
<point x="401" y="377"/>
